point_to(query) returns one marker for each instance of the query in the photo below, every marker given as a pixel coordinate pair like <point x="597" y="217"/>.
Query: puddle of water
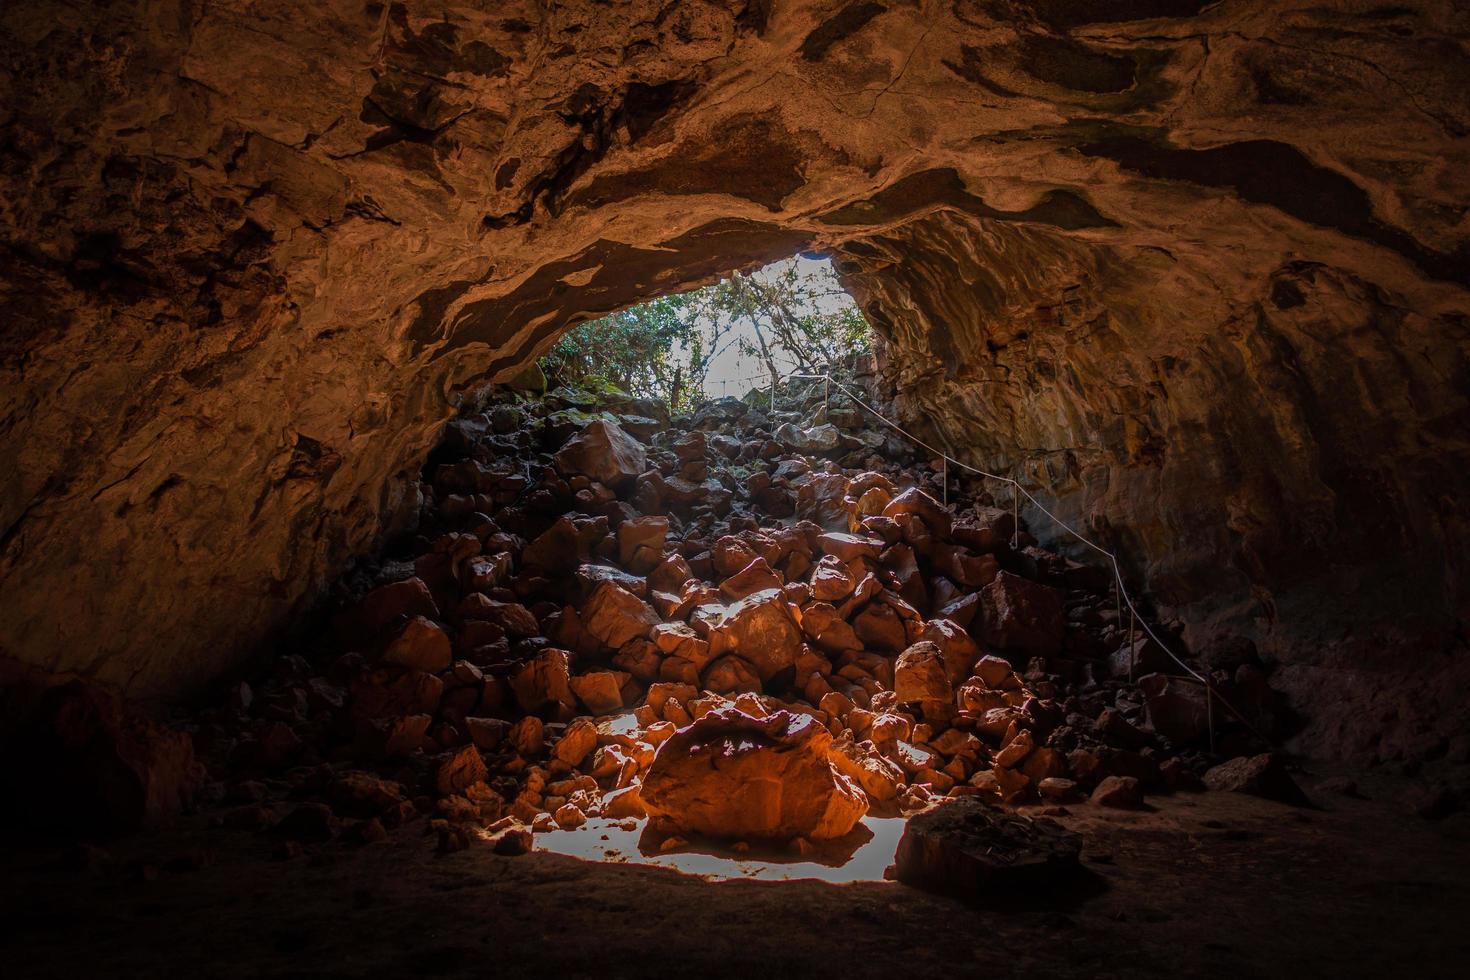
<point x="862" y="856"/>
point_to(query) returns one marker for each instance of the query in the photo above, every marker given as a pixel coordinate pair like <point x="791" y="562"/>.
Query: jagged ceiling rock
<point x="1204" y="263"/>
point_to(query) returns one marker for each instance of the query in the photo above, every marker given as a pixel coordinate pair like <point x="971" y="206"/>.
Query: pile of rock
<point x="746" y="626"/>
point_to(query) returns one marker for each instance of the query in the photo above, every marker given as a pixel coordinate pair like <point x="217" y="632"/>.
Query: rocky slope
<point x="1200" y="267"/>
<point x="750" y="629"/>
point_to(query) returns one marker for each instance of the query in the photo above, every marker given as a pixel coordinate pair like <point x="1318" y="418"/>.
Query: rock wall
<point x="1205" y="263"/>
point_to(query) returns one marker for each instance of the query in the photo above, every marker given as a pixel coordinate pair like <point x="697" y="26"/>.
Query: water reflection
<point x="860" y="856"/>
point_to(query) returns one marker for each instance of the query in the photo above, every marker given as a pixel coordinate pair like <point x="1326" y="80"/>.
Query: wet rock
<point x="733" y="776"/>
<point x="970" y="848"/>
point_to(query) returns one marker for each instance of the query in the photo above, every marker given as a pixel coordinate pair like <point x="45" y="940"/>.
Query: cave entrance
<point x="746" y="331"/>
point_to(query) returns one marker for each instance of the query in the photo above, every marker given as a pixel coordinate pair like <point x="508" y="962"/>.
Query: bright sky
<point x="734" y="373"/>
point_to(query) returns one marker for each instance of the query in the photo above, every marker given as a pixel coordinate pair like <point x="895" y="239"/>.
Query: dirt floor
<point x="1201" y="885"/>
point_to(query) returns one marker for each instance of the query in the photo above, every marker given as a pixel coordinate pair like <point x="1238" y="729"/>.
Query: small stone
<point x="569" y="816"/>
<point x="513" y="841"/>
<point x="1057" y="788"/>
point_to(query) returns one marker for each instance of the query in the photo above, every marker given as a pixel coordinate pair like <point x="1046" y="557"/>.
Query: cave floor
<point x="1201" y="885"/>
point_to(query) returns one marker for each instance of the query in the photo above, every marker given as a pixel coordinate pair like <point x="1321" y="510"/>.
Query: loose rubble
<point x="741" y="626"/>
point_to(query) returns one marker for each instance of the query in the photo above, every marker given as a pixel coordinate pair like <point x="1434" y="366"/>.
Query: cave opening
<point x="435" y="537"/>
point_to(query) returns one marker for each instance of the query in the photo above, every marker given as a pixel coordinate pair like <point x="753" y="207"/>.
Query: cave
<point x="1152" y="490"/>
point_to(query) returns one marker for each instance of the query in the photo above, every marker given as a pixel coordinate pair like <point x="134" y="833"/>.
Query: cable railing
<point x="1135" y="618"/>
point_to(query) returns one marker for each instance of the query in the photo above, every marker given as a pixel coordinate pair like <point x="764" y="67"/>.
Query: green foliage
<point x="791" y="314"/>
<point x="630" y="350"/>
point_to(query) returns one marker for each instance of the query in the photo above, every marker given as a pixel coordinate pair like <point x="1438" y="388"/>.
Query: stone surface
<point x="920" y="674"/>
<point x="420" y="645"/>
<point x="968" y="847"/>
<point x="760" y="630"/>
<point x="616" y="616"/>
<point x="1021" y="616"/>
<point x="603" y="452"/>
<point x="734" y="776"/>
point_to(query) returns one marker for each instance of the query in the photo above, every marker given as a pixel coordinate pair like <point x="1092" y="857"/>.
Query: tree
<point x="793" y="312"/>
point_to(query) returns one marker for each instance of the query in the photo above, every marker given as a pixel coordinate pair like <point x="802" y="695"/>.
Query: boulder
<point x="961" y="653"/>
<point x="845" y="547"/>
<point x="576" y="743"/>
<point x="555" y="550"/>
<point x="641" y="543"/>
<point x="88" y="763"/>
<point x="1177" y="709"/>
<point x="1119" y="792"/>
<point x="421" y="645"/>
<point x="731" y="775"/>
<point x="1259" y="775"/>
<point x="753" y="578"/>
<point x="967" y="847"/>
<point x="616" y="616"/>
<point x="915" y="501"/>
<point x="602" y="452"/>
<point x="818" y="439"/>
<point x="760" y="630"/>
<point x="1142" y="656"/>
<point x="542" y="680"/>
<point x="921" y="674"/>
<point x="459" y="770"/>
<point x="601" y="691"/>
<point x="827" y="630"/>
<point x="1022" y="616"/>
<point x="831" y="580"/>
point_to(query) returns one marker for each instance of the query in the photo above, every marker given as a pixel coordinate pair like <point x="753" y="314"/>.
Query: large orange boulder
<point x="733" y="776"/>
<point x="759" y="629"/>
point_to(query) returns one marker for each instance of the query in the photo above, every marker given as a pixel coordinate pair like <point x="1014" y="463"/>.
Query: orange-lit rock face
<point x="733" y="776"/>
<point x="1204" y="268"/>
